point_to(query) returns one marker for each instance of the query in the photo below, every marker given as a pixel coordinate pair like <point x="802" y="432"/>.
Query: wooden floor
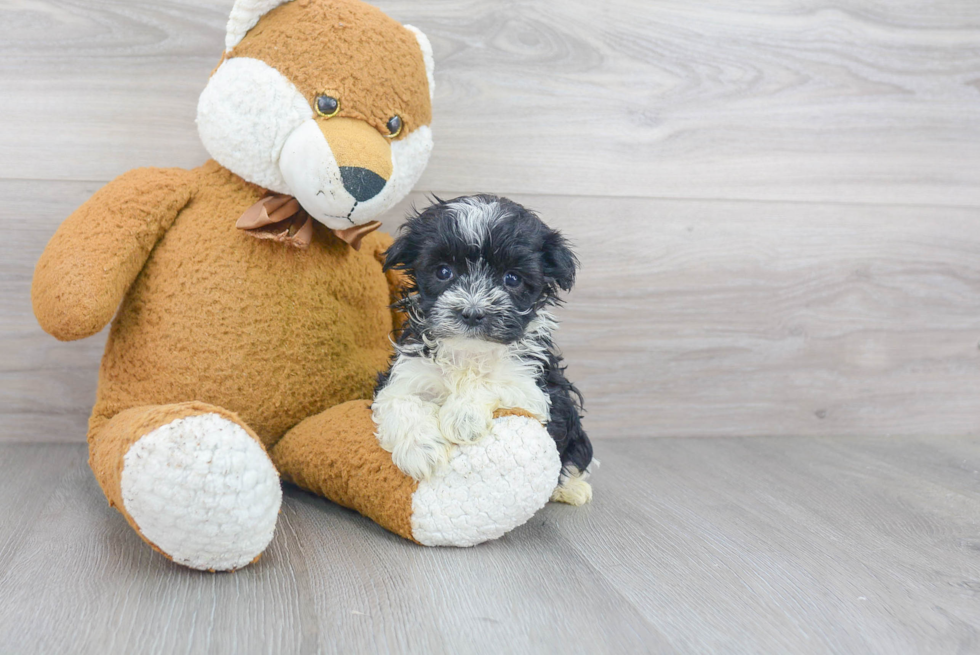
<point x="766" y="545"/>
<point x="777" y="207"/>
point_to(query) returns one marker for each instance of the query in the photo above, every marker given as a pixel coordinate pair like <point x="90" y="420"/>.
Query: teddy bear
<point x="250" y="312"/>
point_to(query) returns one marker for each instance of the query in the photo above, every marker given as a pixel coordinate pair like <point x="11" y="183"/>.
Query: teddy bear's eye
<point x="327" y="106"/>
<point x="394" y="126"/>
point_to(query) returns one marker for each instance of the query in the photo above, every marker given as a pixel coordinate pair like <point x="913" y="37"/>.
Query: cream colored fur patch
<point x="203" y="491"/>
<point x="487" y="488"/>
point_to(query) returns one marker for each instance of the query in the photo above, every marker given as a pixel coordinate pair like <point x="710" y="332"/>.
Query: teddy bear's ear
<point x="430" y="61"/>
<point x="244" y="15"/>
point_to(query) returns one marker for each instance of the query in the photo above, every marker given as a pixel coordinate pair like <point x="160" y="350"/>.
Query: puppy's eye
<point x="444" y="273"/>
<point x="512" y="280"/>
<point x="327" y="106"/>
<point x="394" y="126"/>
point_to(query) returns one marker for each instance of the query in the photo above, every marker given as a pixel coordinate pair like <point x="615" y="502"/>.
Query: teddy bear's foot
<point x="489" y="487"/>
<point x="203" y="491"/>
<point x="196" y="484"/>
<point x="485" y="489"/>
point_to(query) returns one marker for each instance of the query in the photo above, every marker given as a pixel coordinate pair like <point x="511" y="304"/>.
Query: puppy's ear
<point x="403" y="252"/>
<point x="560" y="263"/>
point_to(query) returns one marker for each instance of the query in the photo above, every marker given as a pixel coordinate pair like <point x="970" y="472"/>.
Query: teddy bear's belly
<point x="263" y="329"/>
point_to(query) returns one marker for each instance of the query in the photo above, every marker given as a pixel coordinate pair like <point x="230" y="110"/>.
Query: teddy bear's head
<point x="325" y="100"/>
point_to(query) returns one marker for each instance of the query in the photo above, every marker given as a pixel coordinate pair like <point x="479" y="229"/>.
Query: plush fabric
<point x="202" y="489"/>
<point x="109" y="446"/>
<point x="93" y="258"/>
<point x="270" y="332"/>
<point x="487" y="488"/>
<point x="427" y="57"/>
<point x="350" y="50"/>
<point x="222" y="343"/>
<point x="244" y="15"/>
<point x="335" y="455"/>
<point x="245" y="114"/>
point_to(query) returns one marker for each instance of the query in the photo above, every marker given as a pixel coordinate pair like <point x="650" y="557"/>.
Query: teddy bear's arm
<point x="98" y="251"/>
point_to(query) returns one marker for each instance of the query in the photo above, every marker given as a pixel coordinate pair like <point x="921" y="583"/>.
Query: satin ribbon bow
<point x="280" y="218"/>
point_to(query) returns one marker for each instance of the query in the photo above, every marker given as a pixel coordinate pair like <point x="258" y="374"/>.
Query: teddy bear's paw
<point x="203" y="491"/>
<point x="489" y="487"/>
<point x="463" y="422"/>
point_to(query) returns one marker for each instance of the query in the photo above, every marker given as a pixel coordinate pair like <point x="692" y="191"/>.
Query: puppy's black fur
<point x="487" y="241"/>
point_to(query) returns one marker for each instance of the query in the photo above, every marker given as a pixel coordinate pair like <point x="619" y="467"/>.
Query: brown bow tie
<point x="280" y="218"/>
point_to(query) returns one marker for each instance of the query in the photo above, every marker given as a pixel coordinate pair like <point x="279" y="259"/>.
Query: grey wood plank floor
<point x="744" y="545"/>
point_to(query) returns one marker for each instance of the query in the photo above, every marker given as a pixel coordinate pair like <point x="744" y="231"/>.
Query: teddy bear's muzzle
<point x="334" y="166"/>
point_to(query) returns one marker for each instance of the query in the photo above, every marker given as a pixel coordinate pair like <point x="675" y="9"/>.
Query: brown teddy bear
<point x="251" y="310"/>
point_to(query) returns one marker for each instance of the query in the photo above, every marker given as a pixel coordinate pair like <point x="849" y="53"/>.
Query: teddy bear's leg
<point x="487" y="488"/>
<point x="192" y="480"/>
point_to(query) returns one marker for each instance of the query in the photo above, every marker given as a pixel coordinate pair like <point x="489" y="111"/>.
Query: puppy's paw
<point x="464" y="422"/>
<point x="422" y="455"/>
<point x="408" y="428"/>
<point x="572" y="488"/>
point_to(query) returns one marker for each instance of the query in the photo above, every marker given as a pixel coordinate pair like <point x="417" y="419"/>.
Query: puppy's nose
<point x="361" y="183"/>
<point x="473" y="316"/>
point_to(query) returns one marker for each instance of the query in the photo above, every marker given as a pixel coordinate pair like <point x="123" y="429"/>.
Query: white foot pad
<point x="487" y="488"/>
<point x="203" y="491"/>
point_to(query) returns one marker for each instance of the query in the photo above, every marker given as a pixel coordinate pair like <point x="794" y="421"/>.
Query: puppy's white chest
<point x="487" y="374"/>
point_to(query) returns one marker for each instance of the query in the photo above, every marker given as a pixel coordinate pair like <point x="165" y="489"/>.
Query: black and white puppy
<point x="483" y="272"/>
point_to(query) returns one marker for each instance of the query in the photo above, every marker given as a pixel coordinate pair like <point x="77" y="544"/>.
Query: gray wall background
<point x="777" y="204"/>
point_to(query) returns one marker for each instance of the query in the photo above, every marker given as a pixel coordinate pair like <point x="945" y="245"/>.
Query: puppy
<point x="483" y="272"/>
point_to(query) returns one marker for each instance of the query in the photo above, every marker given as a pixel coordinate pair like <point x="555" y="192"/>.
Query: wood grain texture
<point x="733" y="309"/>
<point x="778" y="212"/>
<point x="802" y="100"/>
<point x="47" y="388"/>
<point x="690" y="318"/>
<point x="793" y="545"/>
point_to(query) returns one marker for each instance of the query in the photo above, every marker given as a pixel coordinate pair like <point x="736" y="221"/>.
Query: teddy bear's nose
<point x="361" y="183"/>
